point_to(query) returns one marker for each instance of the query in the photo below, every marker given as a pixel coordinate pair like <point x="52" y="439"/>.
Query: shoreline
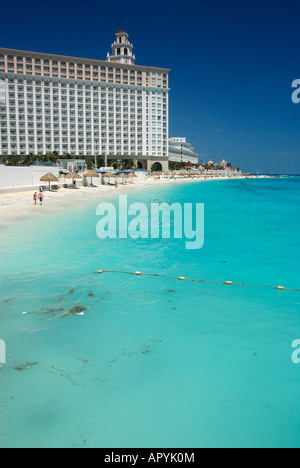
<point x="18" y="205"/>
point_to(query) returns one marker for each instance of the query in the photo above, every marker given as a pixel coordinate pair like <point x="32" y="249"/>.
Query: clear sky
<point x="232" y="65"/>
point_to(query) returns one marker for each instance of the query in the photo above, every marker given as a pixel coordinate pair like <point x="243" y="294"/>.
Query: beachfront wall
<point x="19" y="177"/>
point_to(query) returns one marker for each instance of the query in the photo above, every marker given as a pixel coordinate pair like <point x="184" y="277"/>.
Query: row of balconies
<point x="102" y="79"/>
<point x="64" y="100"/>
<point x="72" y="92"/>
<point x="81" y="146"/>
<point x="87" y="70"/>
<point x="57" y="137"/>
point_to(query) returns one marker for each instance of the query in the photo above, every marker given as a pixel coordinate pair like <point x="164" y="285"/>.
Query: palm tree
<point x="27" y="160"/>
<point x="33" y="158"/>
<point x="51" y="157"/>
<point x="128" y="164"/>
<point x="13" y="160"/>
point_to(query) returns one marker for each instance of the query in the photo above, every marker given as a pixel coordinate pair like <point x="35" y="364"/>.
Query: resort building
<point x="181" y="151"/>
<point x="84" y="107"/>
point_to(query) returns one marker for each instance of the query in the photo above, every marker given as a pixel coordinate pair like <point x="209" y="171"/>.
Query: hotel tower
<point x="84" y="107"/>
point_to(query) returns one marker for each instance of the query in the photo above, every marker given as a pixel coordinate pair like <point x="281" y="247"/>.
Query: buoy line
<point x="182" y="278"/>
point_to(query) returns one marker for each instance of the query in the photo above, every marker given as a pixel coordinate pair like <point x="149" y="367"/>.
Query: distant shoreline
<point x="18" y="205"/>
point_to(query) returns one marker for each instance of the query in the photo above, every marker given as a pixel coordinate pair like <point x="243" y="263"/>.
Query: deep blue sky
<point x="232" y="65"/>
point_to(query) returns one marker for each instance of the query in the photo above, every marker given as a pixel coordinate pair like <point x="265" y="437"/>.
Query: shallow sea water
<point x="154" y="362"/>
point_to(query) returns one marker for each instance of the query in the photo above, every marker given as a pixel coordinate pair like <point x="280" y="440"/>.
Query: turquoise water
<point x="205" y="365"/>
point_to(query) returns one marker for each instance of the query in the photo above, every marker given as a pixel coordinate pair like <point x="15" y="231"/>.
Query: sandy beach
<point x="18" y="205"/>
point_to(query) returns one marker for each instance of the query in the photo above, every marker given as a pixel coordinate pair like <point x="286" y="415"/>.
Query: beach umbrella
<point x="49" y="178"/>
<point x="91" y="174"/>
<point x="132" y="174"/>
<point x="109" y="175"/>
<point x="122" y="176"/>
<point x="73" y="176"/>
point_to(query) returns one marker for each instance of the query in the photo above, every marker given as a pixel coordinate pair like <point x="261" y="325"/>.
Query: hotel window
<point x="103" y="73"/>
<point x="10" y="63"/>
<point x="87" y="71"/>
<point x="55" y="68"/>
<point x="71" y="70"/>
<point x="2" y="63"/>
<point x="63" y="69"/>
<point x="95" y="72"/>
<point x="37" y="68"/>
<point x="19" y="65"/>
<point x="79" y="71"/>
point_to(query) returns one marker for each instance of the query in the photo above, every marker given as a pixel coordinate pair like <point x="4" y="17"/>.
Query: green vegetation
<point x="31" y="159"/>
<point x="54" y="157"/>
<point x="176" y="166"/>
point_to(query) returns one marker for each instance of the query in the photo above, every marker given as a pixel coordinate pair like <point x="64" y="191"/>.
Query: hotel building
<point x="181" y="151"/>
<point x="84" y="107"/>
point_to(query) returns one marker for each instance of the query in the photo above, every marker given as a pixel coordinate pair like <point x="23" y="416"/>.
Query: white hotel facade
<point x="84" y="107"/>
<point x="182" y="152"/>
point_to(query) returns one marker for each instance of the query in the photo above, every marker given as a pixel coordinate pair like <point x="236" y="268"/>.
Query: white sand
<point x="18" y="206"/>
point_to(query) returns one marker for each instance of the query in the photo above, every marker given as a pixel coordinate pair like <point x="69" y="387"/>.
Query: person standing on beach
<point x="116" y="184"/>
<point x="41" y="197"/>
<point x="35" y="197"/>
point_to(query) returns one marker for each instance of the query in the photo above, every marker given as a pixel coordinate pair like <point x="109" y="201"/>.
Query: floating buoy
<point x="181" y="278"/>
<point x="228" y="282"/>
<point x="100" y="271"/>
<point x="282" y="288"/>
<point x="138" y="273"/>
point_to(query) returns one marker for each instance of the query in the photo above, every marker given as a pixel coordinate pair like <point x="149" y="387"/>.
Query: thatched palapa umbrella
<point x="109" y="175"/>
<point x="122" y="176"/>
<point x="73" y="176"/>
<point x="91" y="174"/>
<point x="132" y="174"/>
<point x="49" y="178"/>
